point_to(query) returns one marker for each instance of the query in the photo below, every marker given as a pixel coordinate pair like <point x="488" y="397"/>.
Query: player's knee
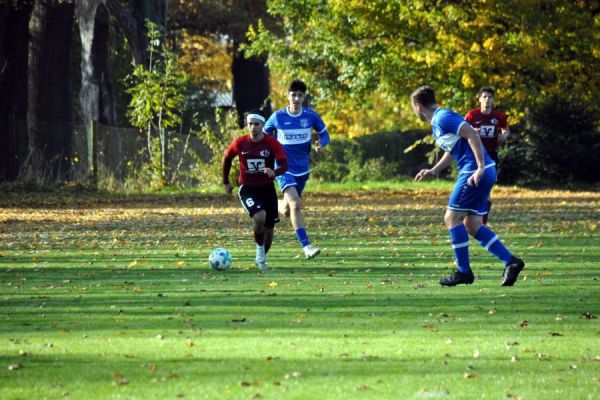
<point x="451" y="220"/>
<point x="295" y="204"/>
<point x="260" y="217"/>
<point x="471" y="230"/>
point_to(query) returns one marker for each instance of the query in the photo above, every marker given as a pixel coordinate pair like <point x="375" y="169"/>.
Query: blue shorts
<point x="472" y="199"/>
<point x="286" y="180"/>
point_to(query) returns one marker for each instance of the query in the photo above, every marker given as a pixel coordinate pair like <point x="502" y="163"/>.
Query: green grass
<point x="113" y="298"/>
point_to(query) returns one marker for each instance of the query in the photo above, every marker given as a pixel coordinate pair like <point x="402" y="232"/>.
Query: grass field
<point x="112" y="298"/>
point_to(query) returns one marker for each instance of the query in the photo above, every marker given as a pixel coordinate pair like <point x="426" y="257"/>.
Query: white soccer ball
<point x="220" y="259"/>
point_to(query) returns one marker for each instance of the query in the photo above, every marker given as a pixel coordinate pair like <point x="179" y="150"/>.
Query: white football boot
<point x="311" y="251"/>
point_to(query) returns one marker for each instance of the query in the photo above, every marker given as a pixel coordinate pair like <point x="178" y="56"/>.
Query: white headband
<point x="256" y="116"/>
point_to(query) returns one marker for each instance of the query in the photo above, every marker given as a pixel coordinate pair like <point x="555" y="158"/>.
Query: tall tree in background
<point x="231" y="20"/>
<point x="366" y="56"/>
<point x="14" y="39"/>
<point x="49" y="115"/>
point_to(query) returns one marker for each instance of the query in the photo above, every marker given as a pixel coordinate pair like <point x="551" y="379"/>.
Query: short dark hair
<point x="423" y="95"/>
<point x="485" y="89"/>
<point x="297" y="86"/>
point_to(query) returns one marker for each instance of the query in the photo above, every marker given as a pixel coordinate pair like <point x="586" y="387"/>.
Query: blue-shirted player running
<point x="468" y="201"/>
<point x="293" y="127"/>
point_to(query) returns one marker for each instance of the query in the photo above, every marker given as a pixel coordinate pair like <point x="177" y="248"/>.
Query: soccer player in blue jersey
<point x="468" y="201"/>
<point x="293" y="127"/>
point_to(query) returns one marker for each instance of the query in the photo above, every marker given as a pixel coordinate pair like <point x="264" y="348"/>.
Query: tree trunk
<point x="132" y="22"/>
<point x="14" y="38"/>
<point x="96" y="96"/>
<point x="250" y="84"/>
<point x="49" y="119"/>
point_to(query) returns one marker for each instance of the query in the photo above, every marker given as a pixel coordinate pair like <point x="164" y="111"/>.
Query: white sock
<point x="260" y="253"/>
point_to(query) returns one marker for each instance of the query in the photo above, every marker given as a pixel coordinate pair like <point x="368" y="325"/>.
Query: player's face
<point x="295" y="99"/>
<point x="417" y="110"/>
<point x="486" y="100"/>
<point x="255" y="128"/>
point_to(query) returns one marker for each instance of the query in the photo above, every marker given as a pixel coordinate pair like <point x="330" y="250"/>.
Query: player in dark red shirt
<point x="257" y="153"/>
<point x="492" y="126"/>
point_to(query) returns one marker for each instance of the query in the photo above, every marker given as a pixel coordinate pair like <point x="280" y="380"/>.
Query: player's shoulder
<point x="310" y="112"/>
<point x="242" y="139"/>
<point x="472" y="113"/>
<point x="446" y="113"/>
<point x="498" y="113"/>
<point x="276" y="114"/>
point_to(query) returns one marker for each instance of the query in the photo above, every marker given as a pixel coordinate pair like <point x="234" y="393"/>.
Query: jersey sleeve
<point x="320" y="127"/>
<point x="503" y="123"/>
<point x="270" y="127"/>
<point x="469" y="117"/>
<point x="230" y="153"/>
<point x="232" y="150"/>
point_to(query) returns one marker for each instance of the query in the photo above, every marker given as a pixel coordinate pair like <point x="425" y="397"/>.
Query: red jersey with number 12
<point x="254" y="158"/>
<point x="489" y="126"/>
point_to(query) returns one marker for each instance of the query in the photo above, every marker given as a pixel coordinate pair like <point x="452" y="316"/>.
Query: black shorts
<point x="255" y="199"/>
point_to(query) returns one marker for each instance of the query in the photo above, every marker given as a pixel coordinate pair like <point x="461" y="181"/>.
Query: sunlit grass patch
<point x="111" y="299"/>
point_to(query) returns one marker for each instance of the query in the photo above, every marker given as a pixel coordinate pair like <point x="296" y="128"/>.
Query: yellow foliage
<point x="467" y="81"/>
<point x="489" y="44"/>
<point x="207" y="60"/>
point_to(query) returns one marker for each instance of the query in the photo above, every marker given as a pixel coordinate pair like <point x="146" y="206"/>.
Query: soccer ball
<point x="220" y="259"/>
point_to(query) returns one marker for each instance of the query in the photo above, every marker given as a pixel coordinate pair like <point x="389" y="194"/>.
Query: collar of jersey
<point x="294" y="115"/>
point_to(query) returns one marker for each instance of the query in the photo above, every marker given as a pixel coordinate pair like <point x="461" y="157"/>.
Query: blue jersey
<point x="294" y="133"/>
<point x="445" y="125"/>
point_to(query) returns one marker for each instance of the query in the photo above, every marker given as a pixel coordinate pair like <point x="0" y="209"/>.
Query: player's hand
<point x="269" y="172"/>
<point x="228" y="187"/>
<point x="424" y="173"/>
<point x="476" y="177"/>
<point x="502" y="137"/>
<point x="318" y="147"/>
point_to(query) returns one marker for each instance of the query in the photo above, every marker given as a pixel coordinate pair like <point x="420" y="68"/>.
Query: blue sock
<point x="490" y="241"/>
<point x="460" y="244"/>
<point x="302" y="236"/>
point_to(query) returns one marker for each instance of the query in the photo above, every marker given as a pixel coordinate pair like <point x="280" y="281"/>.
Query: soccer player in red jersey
<point x="257" y="153"/>
<point x="493" y="128"/>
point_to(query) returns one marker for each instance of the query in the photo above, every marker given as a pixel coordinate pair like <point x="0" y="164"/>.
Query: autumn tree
<point x="14" y="20"/>
<point x="363" y="58"/>
<point x="49" y="104"/>
<point x="228" y="22"/>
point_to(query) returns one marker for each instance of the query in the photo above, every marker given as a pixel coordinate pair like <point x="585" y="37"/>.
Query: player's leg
<point x="272" y="215"/>
<point x="251" y="201"/>
<point x="269" y="233"/>
<point x="292" y="189"/>
<point x="486" y="216"/>
<point x="459" y="238"/>
<point x="492" y="243"/>
<point x="259" y="237"/>
<point x="488" y="238"/>
<point x="283" y="207"/>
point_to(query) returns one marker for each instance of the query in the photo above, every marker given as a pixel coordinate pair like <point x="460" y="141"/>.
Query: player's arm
<point x="228" y="157"/>
<point x="321" y="129"/>
<point x="270" y="127"/>
<point x="472" y="136"/>
<point x="504" y="130"/>
<point x="281" y="158"/>
<point x="437" y="168"/>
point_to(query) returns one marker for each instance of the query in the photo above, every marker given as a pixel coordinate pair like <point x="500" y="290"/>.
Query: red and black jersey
<point x="489" y="125"/>
<point x="254" y="158"/>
